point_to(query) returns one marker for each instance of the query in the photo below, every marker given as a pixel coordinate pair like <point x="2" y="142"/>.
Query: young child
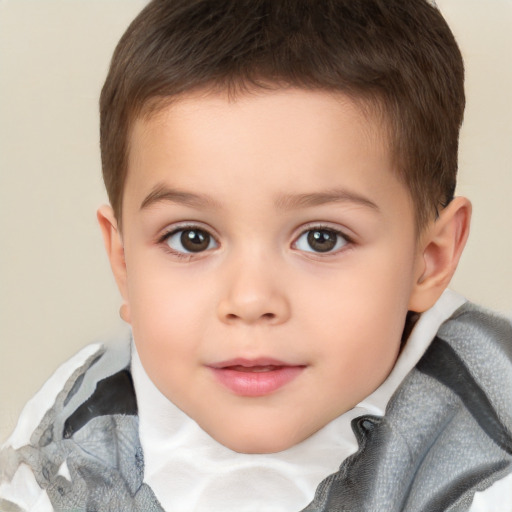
<point x="282" y="230"/>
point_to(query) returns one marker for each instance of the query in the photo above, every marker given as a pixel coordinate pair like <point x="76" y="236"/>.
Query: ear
<point x="439" y="251"/>
<point x="115" y="252"/>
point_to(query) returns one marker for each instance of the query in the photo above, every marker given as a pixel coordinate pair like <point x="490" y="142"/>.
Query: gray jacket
<point x="446" y="433"/>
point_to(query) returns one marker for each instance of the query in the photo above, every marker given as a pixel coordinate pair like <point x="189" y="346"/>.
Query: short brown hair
<point x="397" y="55"/>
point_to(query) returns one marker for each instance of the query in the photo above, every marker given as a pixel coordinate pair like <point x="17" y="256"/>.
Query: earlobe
<point x="115" y="252"/>
<point x="440" y="248"/>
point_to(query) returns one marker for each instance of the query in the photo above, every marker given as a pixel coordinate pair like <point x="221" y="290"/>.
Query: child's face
<point x="270" y="261"/>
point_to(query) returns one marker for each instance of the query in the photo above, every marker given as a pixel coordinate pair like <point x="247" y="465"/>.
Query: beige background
<point x="56" y="292"/>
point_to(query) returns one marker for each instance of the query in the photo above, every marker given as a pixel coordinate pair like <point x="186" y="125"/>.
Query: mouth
<point x="256" y="377"/>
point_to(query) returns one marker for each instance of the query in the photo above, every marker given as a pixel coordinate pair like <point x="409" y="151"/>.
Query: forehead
<point x="296" y="114"/>
<point x="292" y="139"/>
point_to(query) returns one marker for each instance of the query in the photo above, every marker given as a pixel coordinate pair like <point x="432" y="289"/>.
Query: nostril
<point x="253" y="308"/>
<point x="264" y="316"/>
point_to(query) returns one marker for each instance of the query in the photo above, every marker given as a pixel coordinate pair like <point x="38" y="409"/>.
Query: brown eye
<point x="190" y="240"/>
<point x="320" y="240"/>
<point x="195" y="240"/>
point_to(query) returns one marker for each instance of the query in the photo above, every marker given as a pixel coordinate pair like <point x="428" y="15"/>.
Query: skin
<point x="259" y="289"/>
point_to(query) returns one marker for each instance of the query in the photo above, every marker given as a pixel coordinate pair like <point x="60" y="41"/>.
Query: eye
<point x="321" y="240"/>
<point x="190" y="240"/>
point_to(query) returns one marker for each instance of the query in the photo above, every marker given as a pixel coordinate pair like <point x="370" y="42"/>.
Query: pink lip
<point x="255" y="377"/>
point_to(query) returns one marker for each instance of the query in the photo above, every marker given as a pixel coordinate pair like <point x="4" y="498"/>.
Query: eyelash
<point x="187" y="256"/>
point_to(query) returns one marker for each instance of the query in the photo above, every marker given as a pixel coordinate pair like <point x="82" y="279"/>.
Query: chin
<point x="258" y="442"/>
<point x="258" y="447"/>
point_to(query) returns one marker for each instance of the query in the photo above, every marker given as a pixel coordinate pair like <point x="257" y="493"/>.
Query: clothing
<point x="445" y="434"/>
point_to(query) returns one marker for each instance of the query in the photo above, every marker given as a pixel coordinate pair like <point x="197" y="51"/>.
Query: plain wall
<point x="56" y="290"/>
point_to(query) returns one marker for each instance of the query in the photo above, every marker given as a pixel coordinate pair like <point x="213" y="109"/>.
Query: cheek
<point x="361" y="297"/>
<point x="166" y="325"/>
<point x="167" y="309"/>
<point x="360" y="318"/>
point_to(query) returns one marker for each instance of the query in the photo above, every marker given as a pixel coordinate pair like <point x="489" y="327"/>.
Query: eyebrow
<point x="162" y="193"/>
<point x="295" y="201"/>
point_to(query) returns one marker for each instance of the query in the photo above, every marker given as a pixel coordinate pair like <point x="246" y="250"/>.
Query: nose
<point x="253" y="294"/>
